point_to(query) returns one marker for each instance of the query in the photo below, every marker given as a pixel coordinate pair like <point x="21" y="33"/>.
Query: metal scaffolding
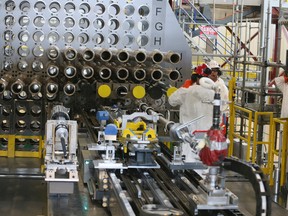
<point x="247" y="42"/>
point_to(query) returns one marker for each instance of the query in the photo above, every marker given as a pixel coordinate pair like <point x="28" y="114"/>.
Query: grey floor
<point x="23" y="192"/>
<point x="27" y="196"/>
<point x="22" y="188"/>
<point x="247" y="205"/>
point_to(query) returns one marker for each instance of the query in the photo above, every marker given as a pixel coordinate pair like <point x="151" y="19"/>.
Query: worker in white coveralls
<point x="194" y="102"/>
<point x="282" y="84"/>
<point x="215" y="74"/>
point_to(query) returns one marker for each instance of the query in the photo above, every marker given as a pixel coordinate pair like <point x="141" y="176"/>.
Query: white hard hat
<point x="213" y="64"/>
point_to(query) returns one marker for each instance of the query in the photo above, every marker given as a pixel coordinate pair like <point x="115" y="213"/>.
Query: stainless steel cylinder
<point x="52" y="70"/>
<point x="69" y="89"/>
<point x="35" y="87"/>
<point x="212" y="177"/>
<point x="7" y="95"/>
<point x="5" y="125"/>
<point x="35" y="110"/>
<point x="21" y="125"/>
<point x="53" y="52"/>
<point x="172" y="57"/>
<point x="37" y="66"/>
<point x="122" y="91"/>
<point x="21" y="110"/>
<point x="35" y="126"/>
<point x="123" y="56"/>
<point x="122" y="74"/>
<point x="87" y="54"/>
<point x="3" y="84"/>
<point x="22" y="65"/>
<point x="138" y="74"/>
<point x="22" y="95"/>
<point x="105" y="73"/>
<point x="276" y="185"/>
<point x="156" y="56"/>
<point x="173" y="75"/>
<point x="17" y="86"/>
<point x="7" y="65"/>
<point x="140" y="56"/>
<point x="103" y="54"/>
<point x="156" y="74"/>
<point x="70" y="53"/>
<point x="87" y="72"/>
<point x="51" y="90"/>
<point x="70" y="71"/>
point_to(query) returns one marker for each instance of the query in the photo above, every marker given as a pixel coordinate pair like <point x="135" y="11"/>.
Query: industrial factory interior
<point x="144" y="107"/>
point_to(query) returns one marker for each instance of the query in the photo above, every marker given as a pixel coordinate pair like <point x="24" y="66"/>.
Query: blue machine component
<point x="111" y="129"/>
<point x="102" y="116"/>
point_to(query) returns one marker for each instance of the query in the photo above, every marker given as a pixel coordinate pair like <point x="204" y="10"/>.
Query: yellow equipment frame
<point x="11" y="153"/>
<point x="275" y="152"/>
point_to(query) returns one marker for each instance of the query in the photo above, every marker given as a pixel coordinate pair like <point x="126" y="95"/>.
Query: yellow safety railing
<point x="276" y="152"/>
<point x="4" y="152"/>
<point x="11" y="152"/>
<point x="233" y="134"/>
<point x="231" y="86"/>
<point x="256" y="142"/>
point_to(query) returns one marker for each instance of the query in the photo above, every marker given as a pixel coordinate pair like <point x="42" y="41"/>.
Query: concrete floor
<point x="27" y="196"/>
<point x="24" y="192"/>
<point x="247" y="205"/>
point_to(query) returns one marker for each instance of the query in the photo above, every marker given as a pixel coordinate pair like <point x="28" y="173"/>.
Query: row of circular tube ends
<point x="115" y="64"/>
<point x="17" y="87"/>
<point x="114" y="72"/>
<point x="9" y="86"/>
<point x="140" y="56"/>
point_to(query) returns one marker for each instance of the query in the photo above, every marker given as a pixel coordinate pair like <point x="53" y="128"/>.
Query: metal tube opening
<point x="87" y="72"/>
<point x="140" y="57"/>
<point x="122" y="91"/>
<point x="105" y="55"/>
<point x="173" y="58"/>
<point x="17" y="87"/>
<point x="123" y="56"/>
<point x="70" y="71"/>
<point x="174" y="75"/>
<point x="139" y="74"/>
<point x="69" y="89"/>
<point x="35" y="87"/>
<point x="122" y="74"/>
<point x="105" y="73"/>
<point x="70" y="54"/>
<point x="156" y="75"/>
<point x="157" y="57"/>
<point x="52" y="70"/>
<point x="88" y="55"/>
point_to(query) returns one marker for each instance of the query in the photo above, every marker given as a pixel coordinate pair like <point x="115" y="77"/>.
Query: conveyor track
<point x="132" y="191"/>
<point x="258" y="181"/>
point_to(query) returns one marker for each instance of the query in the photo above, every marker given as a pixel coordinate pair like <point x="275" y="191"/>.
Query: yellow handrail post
<point x="257" y="142"/>
<point x="248" y="139"/>
<point x="231" y="85"/>
<point x="11" y="146"/>
<point x="283" y="147"/>
<point x="270" y="146"/>
<point x="284" y="153"/>
<point x="255" y="137"/>
<point x="271" y="152"/>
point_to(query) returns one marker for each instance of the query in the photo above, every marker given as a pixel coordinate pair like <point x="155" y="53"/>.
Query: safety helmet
<point x="213" y="64"/>
<point x="200" y="70"/>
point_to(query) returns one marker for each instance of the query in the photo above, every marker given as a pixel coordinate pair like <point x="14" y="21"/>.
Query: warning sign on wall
<point x="208" y="31"/>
